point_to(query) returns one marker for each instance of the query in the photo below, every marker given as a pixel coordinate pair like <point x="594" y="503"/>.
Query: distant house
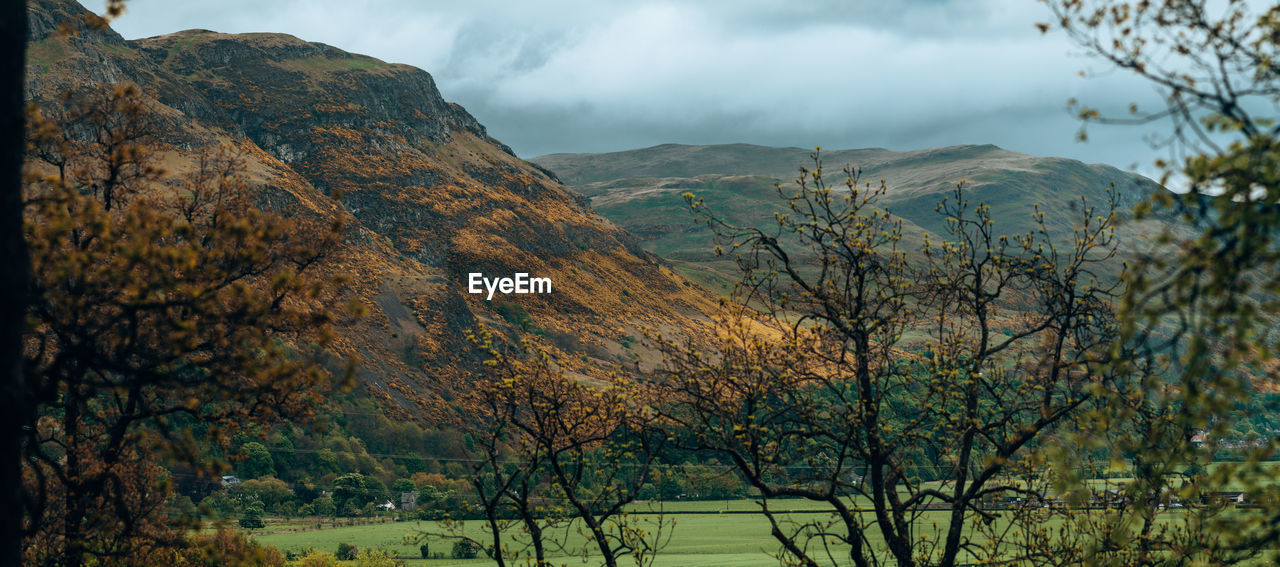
<point x="409" y="501"/>
<point x="1229" y="497"/>
<point x="1109" y="498"/>
<point x="229" y="481"/>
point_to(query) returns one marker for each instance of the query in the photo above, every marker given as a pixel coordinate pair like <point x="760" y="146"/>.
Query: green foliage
<point x="324" y="507"/>
<point x="257" y="461"/>
<point x="377" y="558"/>
<point x="252" y="518"/>
<point x="1200" y="311"/>
<point x="219" y="504"/>
<point x="355" y="493"/>
<point x="316" y="558"/>
<point x="693" y="482"/>
<point x="402" y="485"/>
<point x="331" y="64"/>
<point x="270" y="492"/>
<point x="347" y="552"/>
<point x="464" y="549"/>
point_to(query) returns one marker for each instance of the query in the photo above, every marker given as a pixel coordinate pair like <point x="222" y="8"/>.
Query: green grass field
<point x="698" y="534"/>
<point x="704" y="534"/>
<point x="709" y="539"/>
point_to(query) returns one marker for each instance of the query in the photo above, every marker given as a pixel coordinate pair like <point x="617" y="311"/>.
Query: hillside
<point x="431" y="196"/>
<point x="640" y="190"/>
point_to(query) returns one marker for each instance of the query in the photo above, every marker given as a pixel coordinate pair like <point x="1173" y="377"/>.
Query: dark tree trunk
<point x="14" y="276"/>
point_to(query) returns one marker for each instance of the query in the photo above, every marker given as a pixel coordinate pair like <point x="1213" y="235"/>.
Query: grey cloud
<point x="583" y="76"/>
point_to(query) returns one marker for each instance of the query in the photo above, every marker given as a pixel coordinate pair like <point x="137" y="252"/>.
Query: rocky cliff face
<point x="326" y="132"/>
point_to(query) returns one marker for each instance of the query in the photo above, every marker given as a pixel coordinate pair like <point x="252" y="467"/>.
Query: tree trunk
<point x="492" y="514"/>
<point x="535" y="530"/>
<point x="14" y="275"/>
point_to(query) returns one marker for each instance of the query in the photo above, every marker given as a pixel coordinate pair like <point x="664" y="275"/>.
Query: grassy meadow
<point x="702" y="534"/>
<point x="706" y="533"/>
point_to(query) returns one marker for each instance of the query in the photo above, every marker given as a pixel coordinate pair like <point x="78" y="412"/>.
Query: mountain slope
<point x="328" y="133"/>
<point x="640" y="190"/>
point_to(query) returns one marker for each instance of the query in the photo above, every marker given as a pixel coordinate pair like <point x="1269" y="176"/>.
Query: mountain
<point x="432" y="196"/>
<point x="640" y="190"/>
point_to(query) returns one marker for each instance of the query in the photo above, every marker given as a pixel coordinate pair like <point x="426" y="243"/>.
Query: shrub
<point x="347" y="552"/>
<point x="218" y="505"/>
<point x="464" y="549"/>
<point x="378" y="558"/>
<point x="252" y="520"/>
<point x="228" y="547"/>
<point x="315" y="558"/>
<point x="324" y="507"/>
<point x="425" y="550"/>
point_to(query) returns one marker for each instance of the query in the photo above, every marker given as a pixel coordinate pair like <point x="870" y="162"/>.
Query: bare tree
<point x="895" y="391"/>
<point x="553" y="447"/>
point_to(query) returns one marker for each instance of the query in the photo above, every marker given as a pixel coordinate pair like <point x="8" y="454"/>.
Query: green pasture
<point x="698" y="539"/>
<point x="696" y="533"/>
<point x="702" y="534"/>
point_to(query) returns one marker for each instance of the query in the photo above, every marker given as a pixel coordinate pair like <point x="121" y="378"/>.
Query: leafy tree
<point x="402" y="485"/>
<point x="376" y="489"/>
<point x="347" y="552"/>
<point x="711" y="483"/>
<point x="355" y="491"/>
<point x="464" y="549"/>
<point x="866" y="381"/>
<point x="324" y="507"/>
<point x="427" y="495"/>
<point x="219" y="504"/>
<point x="252" y="518"/>
<point x="257" y="461"/>
<point x="1199" y="314"/>
<point x="158" y="302"/>
<point x="270" y="492"/>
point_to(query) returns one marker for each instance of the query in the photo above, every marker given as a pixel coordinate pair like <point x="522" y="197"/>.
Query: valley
<point x="290" y="305"/>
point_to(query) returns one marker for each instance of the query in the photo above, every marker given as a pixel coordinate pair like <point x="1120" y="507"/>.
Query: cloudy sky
<point x="592" y="76"/>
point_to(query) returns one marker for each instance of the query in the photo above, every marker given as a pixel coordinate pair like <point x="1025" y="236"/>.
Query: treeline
<point x="423" y="496"/>
<point x="353" y="460"/>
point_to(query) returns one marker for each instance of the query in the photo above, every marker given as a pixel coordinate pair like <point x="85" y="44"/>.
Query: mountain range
<point x="641" y="190"/>
<point x="432" y="197"/>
